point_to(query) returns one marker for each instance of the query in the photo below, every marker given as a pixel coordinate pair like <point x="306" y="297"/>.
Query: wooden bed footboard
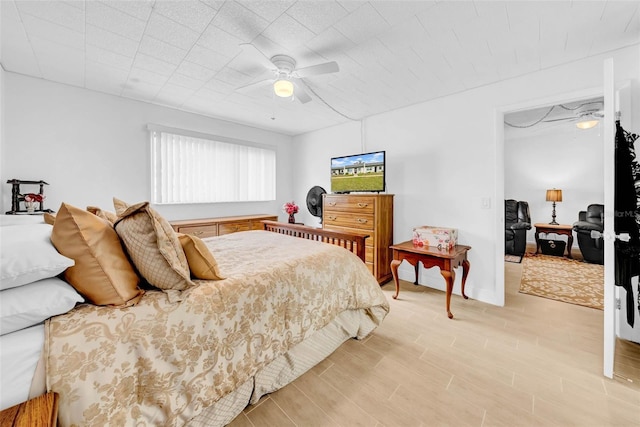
<point x="350" y="241"/>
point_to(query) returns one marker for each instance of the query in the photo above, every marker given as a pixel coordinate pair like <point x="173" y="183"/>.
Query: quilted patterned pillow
<point x="152" y="246"/>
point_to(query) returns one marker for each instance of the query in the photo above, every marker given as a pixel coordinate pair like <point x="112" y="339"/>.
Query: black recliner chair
<point x="517" y="220"/>
<point x="592" y="219"/>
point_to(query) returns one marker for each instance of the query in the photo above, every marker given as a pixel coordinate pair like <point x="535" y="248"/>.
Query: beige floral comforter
<point x="161" y="363"/>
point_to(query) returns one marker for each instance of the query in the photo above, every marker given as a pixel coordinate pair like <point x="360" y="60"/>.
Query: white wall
<point x="91" y="147"/>
<point x="313" y="162"/>
<point x="563" y="157"/>
<point x="2" y="96"/>
<point x="444" y="157"/>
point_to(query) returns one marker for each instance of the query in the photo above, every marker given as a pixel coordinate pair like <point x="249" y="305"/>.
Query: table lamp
<point x="554" y="196"/>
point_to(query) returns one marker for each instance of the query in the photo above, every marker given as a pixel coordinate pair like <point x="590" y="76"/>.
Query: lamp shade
<point x="554" y="195"/>
<point x="283" y="88"/>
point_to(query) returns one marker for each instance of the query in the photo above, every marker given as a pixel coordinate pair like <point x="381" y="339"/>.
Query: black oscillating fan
<point x="314" y="201"/>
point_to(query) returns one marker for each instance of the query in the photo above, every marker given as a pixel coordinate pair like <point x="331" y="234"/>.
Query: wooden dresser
<point x="210" y="227"/>
<point x="370" y="214"/>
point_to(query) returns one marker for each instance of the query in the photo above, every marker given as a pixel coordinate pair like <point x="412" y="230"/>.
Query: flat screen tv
<point x="358" y="173"/>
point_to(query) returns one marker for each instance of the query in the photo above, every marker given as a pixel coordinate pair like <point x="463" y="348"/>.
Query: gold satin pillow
<point x="109" y="216"/>
<point x="49" y="218"/>
<point x="152" y="246"/>
<point x="201" y="262"/>
<point x="102" y="272"/>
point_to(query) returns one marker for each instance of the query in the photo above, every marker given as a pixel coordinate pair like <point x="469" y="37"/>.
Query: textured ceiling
<point x="187" y="54"/>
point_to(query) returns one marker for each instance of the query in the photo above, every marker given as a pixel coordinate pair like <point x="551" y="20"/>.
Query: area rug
<point x="563" y="279"/>
<point x="513" y="258"/>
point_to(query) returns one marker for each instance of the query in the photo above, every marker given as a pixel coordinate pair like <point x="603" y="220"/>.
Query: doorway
<point x="544" y="150"/>
<point x="553" y="164"/>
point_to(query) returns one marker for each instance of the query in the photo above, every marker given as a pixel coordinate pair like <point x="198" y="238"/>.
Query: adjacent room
<point x="319" y="212"/>
<point x="549" y="187"/>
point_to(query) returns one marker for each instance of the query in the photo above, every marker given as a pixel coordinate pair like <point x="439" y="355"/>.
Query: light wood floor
<point x="533" y="362"/>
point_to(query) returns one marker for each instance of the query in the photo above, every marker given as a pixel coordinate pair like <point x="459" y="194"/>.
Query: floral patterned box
<point x="439" y="237"/>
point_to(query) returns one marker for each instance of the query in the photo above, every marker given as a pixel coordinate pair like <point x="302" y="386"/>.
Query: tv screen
<point x="358" y="173"/>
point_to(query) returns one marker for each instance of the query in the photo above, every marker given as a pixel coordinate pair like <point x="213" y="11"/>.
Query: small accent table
<point x="567" y="230"/>
<point x="41" y="411"/>
<point x="430" y="256"/>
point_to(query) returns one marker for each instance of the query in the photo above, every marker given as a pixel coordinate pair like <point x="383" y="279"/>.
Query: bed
<point x="283" y="304"/>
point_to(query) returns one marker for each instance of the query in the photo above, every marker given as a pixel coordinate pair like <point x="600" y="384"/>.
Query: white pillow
<point x="32" y="303"/>
<point x="27" y="255"/>
<point x="20" y="219"/>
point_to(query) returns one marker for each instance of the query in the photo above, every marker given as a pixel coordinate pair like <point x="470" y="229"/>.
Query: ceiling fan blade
<point x="300" y="94"/>
<point x="254" y="85"/>
<point x="257" y="54"/>
<point x="561" y="119"/>
<point x="313" y="70"/>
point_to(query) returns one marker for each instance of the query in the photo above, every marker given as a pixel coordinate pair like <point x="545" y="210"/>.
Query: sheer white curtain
<point x="188" y="169"/>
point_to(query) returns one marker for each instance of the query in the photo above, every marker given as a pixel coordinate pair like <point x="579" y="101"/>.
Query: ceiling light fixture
<point x="588" y="115"/>
<point x="283" y="88"/>
<point x="586" y="123"/>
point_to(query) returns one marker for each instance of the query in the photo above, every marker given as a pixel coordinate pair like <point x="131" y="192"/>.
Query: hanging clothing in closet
<point x="627" y="217"/>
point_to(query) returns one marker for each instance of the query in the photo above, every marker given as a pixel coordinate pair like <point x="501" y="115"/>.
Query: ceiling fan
<point x="287" y="79"/>
<point x="586" y="115"/>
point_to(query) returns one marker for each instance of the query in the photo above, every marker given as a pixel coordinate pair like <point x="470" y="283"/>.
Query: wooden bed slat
<point x="350" y="241"/>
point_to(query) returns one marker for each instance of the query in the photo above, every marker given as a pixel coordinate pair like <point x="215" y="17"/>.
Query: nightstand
<point x="566" y="230"/>
<point x="41" y="411"/>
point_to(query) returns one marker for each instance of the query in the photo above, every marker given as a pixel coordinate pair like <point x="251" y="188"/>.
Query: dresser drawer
<point x="370" y="267"/>
<point x="351" y="220"/>
<point x="258" y="225"/>
<point x="200" y="231"/>
<point x="210" y="227"/>
<point x="233" y="227"/>
<point x="349" y="203"/>
<point x="370" y="241"/>
<point x="368" y="254"/>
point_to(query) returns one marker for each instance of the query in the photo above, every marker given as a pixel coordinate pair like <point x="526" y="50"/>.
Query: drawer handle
<point x="362" y="220"/>
<point x="197" y="233"/>
<point x="331" y="203"/>
<point x="363" y="205"/>
<point x="332" y="218"/>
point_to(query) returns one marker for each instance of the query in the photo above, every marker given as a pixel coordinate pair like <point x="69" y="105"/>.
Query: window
<point x="198" y="168"/>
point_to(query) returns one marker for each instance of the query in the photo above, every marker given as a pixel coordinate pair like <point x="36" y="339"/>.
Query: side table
<point x="41" y="411"/>
<point x="431" y="256"/>
<point x="567" y="230"/>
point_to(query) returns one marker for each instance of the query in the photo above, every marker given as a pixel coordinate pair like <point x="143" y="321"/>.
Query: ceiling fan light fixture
<point x="587" y="124"/>
<point x="283" y="88"/>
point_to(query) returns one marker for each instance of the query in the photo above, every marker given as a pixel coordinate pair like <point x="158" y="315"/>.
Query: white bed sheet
<point x="19" y="355"/>
<point x="6" y="220"/>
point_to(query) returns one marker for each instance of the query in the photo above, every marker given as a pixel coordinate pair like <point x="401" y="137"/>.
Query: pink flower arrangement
<point x="290" y="208"/>
<point x="34" y="197"/>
